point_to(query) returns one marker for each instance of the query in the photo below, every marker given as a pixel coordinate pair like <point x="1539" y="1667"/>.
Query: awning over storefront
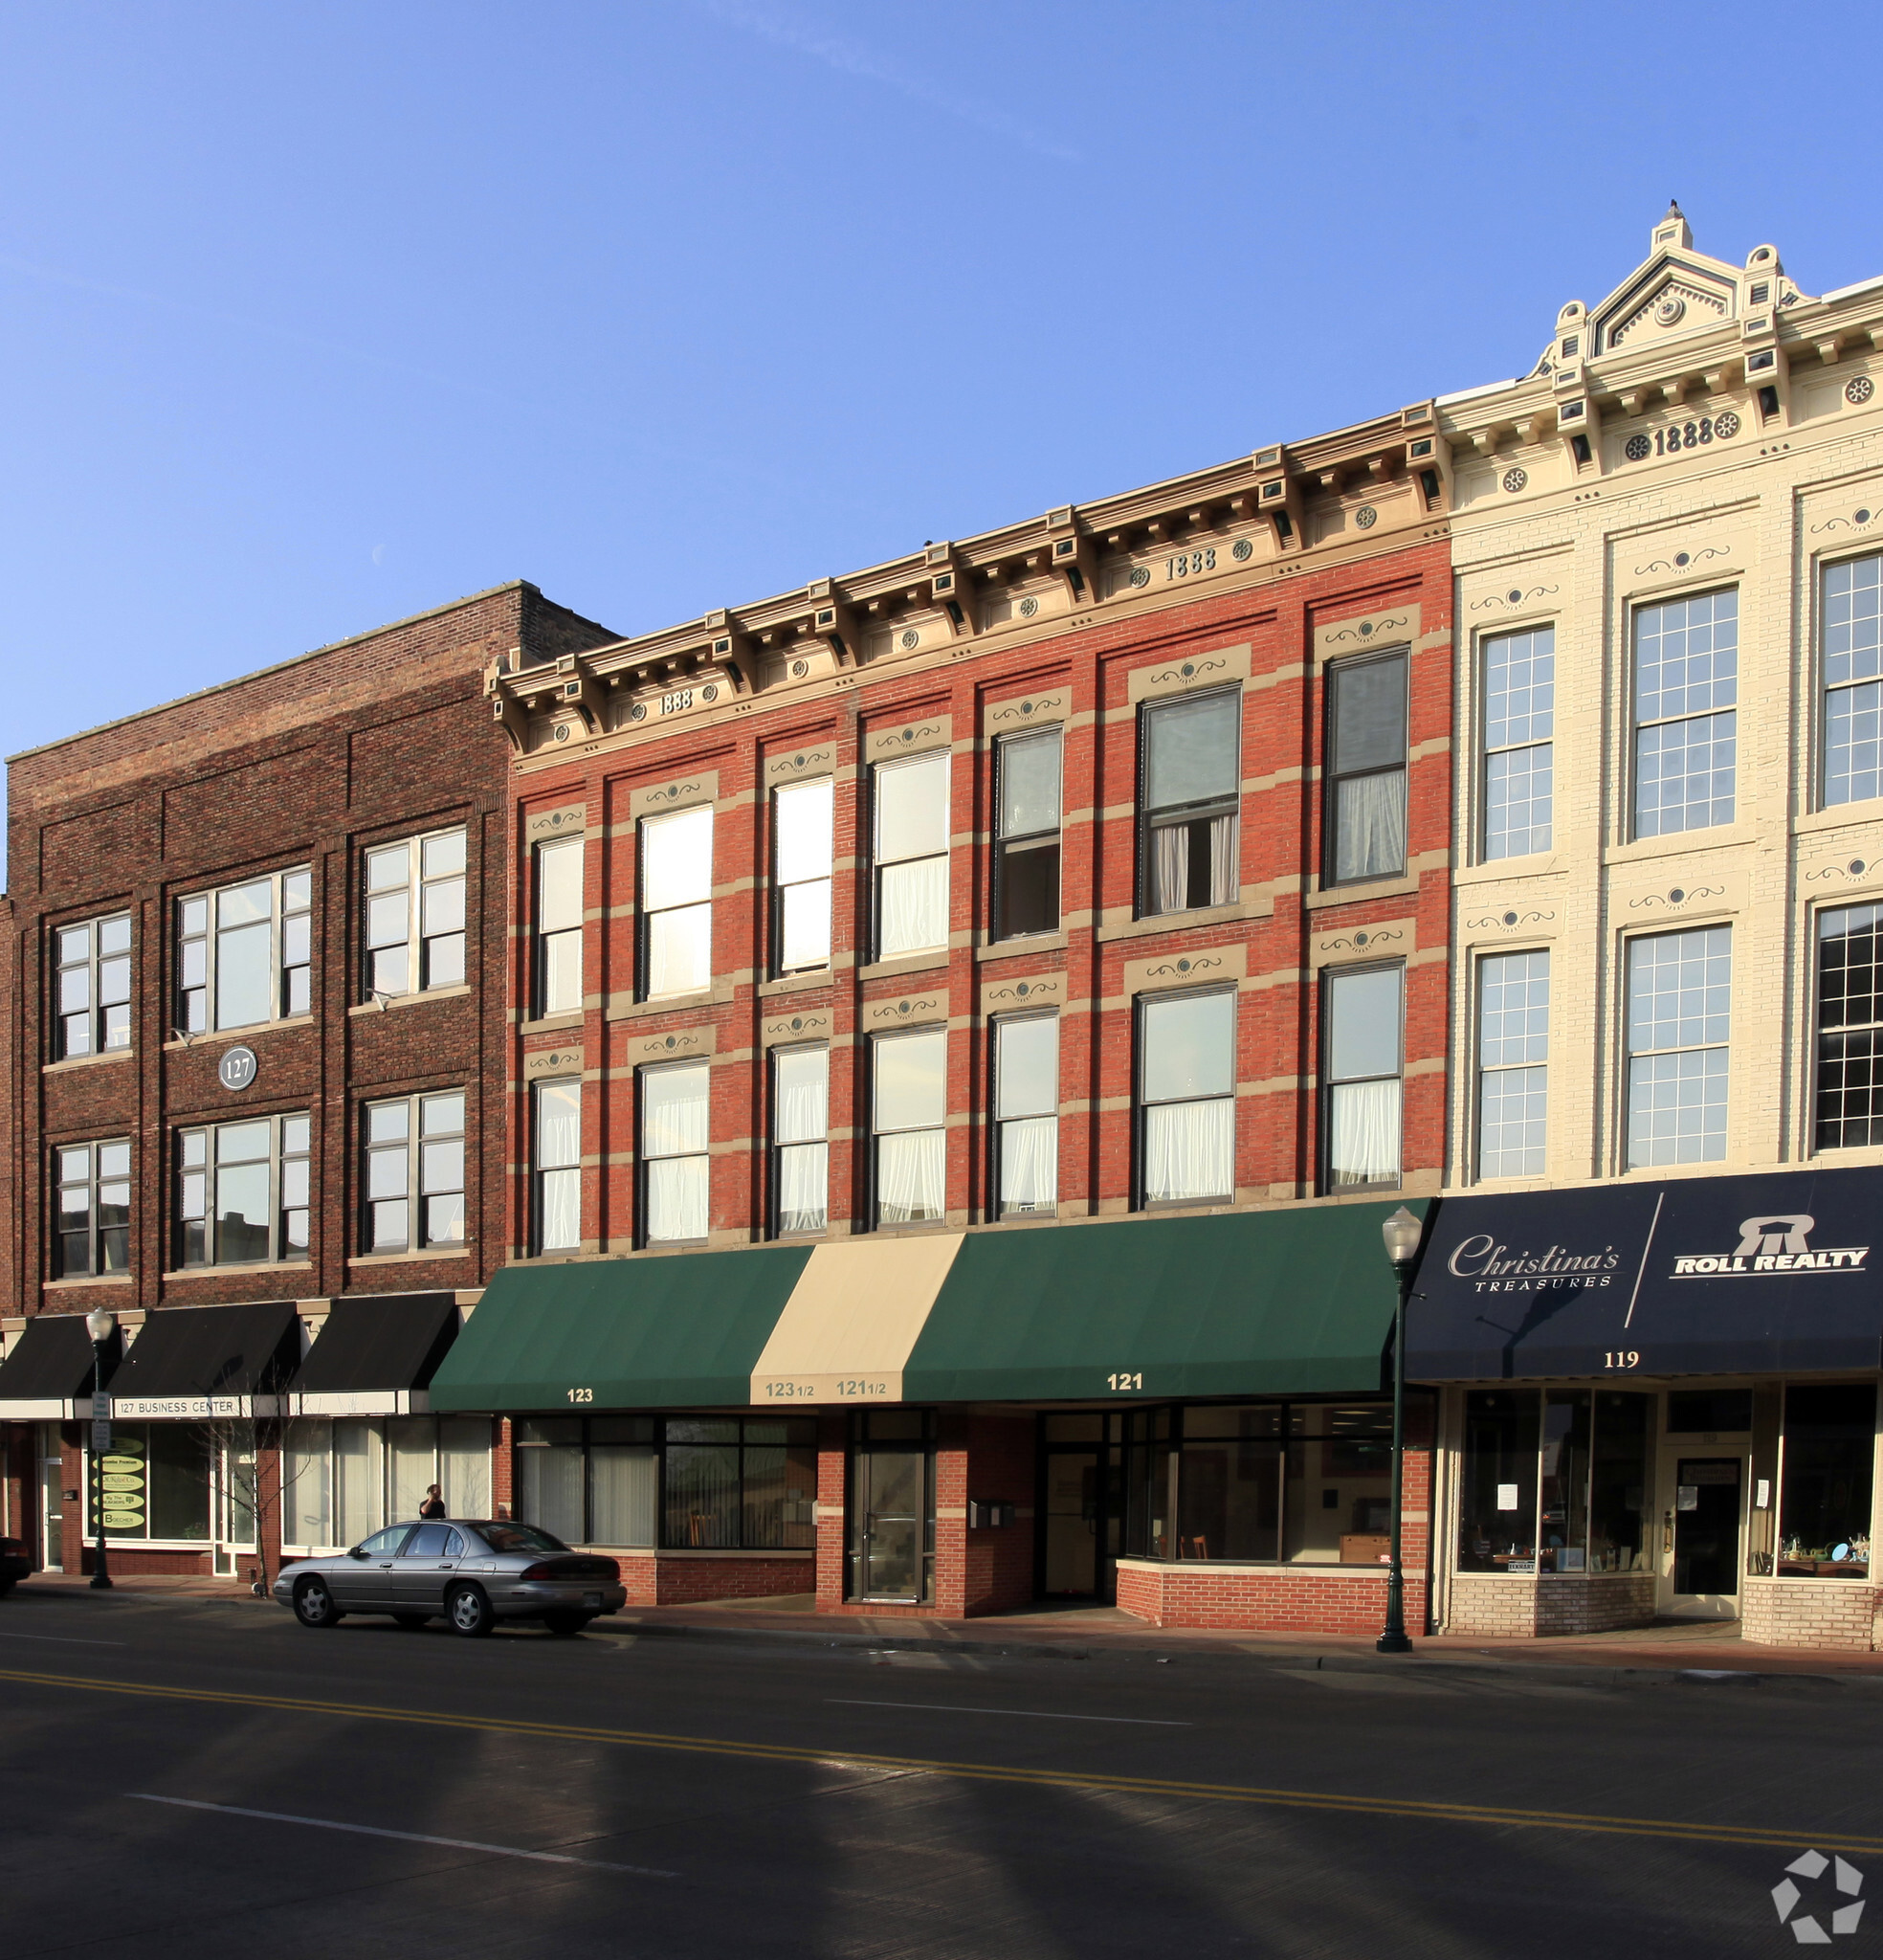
<point x="1289" y="1302"/>
<point x="1697" y="1276"/>
<point x="376" y="1356"/>
<point x="188" y="1362"/>
<point x="47" y="1377"/>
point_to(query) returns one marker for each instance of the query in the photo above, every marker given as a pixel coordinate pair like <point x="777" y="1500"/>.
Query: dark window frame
<point x="98" y="1027"/>
<point x="1325" y="1084"/>
<point x="1140" y="1106"/>
<point x="1025" y="844"/>
<point x="1332" y="680"/>
<point x="1198" y="811"/>
<point x="95" y="1178"/>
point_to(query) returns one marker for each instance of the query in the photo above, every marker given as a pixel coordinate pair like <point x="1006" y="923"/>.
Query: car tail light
<point x="571" y="1569"/>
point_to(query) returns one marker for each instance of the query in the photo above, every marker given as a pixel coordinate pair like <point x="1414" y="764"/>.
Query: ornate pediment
<point x="1678" y="303"/>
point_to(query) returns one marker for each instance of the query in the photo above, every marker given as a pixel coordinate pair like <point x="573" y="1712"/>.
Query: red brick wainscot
<point x="688" y="1578"/>
<point x="1265" y="1598"/>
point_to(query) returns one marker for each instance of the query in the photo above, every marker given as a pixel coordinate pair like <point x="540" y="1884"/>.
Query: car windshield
<point x="519" y="1538"/>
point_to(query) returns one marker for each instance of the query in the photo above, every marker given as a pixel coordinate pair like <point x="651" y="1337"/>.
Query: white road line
<point x="1024" y="1714"/>
<point x="235" y="1810"/>
<point x="64" y="1640"/>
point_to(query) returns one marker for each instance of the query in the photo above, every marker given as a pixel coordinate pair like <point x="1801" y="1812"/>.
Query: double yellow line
<point x="993" y="1773"/>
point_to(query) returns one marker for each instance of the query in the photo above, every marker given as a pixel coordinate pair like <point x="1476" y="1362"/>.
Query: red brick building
<point x="256" y="1036"/>
<point x="970" y="1019"/>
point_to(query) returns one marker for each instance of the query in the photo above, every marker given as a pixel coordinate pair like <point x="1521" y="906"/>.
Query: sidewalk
<point x="1708" y="1649"/>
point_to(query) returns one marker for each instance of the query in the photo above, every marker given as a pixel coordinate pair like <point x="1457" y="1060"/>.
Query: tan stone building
<point x="1668" y="548"/>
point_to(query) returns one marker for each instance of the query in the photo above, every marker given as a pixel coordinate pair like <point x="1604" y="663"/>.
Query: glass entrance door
<point x="1074" y="1534"/>
<point x="234" y="1506"/>
<point x="1708" y="1509"/>
<point x="52" y="1501"/>
<point x="890" y="1516"/>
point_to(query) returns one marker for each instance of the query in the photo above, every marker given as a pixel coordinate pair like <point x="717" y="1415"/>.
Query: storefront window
<point x="342" y="1479"/>
<point x="1825" y="1492"/>
<point x="1497" y="1490"/>
<point x="1229" y="1484"/>
<point x="156" y="1482"/>
<point x="1563" y="1482"/>
<point x="1618" y="1484"/>
<point x="1340" y="1484"/>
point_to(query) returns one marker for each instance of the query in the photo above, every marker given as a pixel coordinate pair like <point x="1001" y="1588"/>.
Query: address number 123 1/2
<point x="1122" y="1382"/>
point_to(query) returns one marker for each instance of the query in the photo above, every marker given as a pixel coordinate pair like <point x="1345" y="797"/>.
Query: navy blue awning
<point x="1761" y="1275"/>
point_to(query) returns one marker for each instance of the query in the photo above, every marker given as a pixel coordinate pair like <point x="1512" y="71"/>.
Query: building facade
<point x="257" y="1043"/>
<point x="1664" y="1117"/>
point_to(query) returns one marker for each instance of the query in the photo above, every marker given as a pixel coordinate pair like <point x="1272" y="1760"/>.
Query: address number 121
<point x="1124" y="1381"/>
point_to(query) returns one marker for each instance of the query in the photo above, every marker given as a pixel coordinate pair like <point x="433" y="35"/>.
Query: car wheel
<point x="566" y="1625"/>
<point x="470" y="1612"/>
<point x="411" y="1620"/>
<point x="313" y="1605"/>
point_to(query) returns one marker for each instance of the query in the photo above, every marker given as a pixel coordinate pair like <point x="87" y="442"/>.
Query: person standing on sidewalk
<point x="433" y="1505"/>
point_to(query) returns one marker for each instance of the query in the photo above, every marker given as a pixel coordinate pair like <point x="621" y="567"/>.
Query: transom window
<point x="910" y="1114"/>
<point x="415" y="914"/>
<point x="1363" y="1049"/>
<point x="1853" y="691"/>
<point x="1027" y="1116"/>
<point x="1686" y="733"/>
<point x="92" y="1012"/>
<point x="912" y="855"/>
<point x="244" y="953"/>
<point x="1513" y="1060"/>
<point x="800" y="1127"/>
<point x="1192" y="792"/>
<point x="414" y="1172"/>
<point x="675" y="1164"/>
<point x="1364" y="815"/>
<point x="802" y="818"/>
<point x="677" y="902"/>
<point x="1849" y="1111"/>
<point x="1186" y="1074"/>
<point x="1027" y="841"/>
<point x="242" y="1192"/>
<point x="94" y="1209"/>
<point x="1679" y="1021"/>
<point x="1519" y="719"/>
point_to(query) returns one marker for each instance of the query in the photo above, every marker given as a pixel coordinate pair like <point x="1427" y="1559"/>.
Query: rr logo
<point x="1783" y="1234"/>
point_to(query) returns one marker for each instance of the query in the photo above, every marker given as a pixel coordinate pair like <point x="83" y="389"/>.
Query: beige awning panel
<point x="853" y="1317"/>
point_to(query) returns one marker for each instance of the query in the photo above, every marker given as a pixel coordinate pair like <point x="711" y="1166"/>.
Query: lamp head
<point x="1400" y="1233"/>
<point x="100" y="1324"/>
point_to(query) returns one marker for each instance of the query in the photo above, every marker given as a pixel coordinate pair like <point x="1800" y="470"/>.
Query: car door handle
<point x="445" y="1566"/>
<point x="386" y="1564"/>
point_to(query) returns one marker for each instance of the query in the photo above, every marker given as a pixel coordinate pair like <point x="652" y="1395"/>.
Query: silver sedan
<point x="473" y="1573"/>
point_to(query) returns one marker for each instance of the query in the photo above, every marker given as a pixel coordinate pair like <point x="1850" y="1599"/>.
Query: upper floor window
<point x="1520" y="720"/>
<point x="1192" y="778"/>
<point x="414" y="1172"/>
<point x="1850" y="1058"/>
<point x="556" y="1168"/>
<point x="1027" y="795"/>
<point x="1853" y="691"/>
<point x="244" y="952"/>
<point x="677" y="902"/>
<point x="94" y="1209"/>
<point x="242" y="1192"/>
<point x="92" y="1013"/>
<point x="415" y="914"/>
<point x="1027" y="1116"/>
<point x="1364" y="814"/>
<point x="676" y="1167"/>
<point x="1186" y="1078"/>
<point x="912" y="855"/>
<point x="1362" y="1063"/>
<point x="1679" y="1024"/>
<point x="558" y="928"/>
<point x="1513" y="1063"/>
<point x="909" y="1123"/>
<point x="1686" y="724"/>
<point x="802" y="815"/>
<point x="800" y="1127"/>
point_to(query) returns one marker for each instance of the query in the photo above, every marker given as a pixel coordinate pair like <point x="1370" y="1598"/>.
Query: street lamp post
<point x="100" y="1324"/>
<point x="1400" y="1233"/>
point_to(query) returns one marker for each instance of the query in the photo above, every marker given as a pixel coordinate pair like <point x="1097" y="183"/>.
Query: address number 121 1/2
<point x="1122" y="1382"/>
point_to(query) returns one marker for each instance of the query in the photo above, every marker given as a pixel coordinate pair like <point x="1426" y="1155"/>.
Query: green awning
<point x="641" y="1333"/>
<point x="1291" y="1301"/>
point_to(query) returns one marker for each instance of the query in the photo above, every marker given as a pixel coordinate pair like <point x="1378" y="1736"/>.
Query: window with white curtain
<point x="675" y="1102"/>
<point x="1853" y="639"/>
<point x="1361" y="1045"/>
<point x="800" y="1125"/>
<point x="1186" y="1077"/>
<point x="1520" y="721"/>
<point x="556" y="1167"/>
<point x="1027" y="1116"/>
<point x="1513" y="1063"/>
<point x="344" y="1478"/>
<point x="1191" y="771"/>
<point x="801" y="815"/>
<point x="677" y="902"/>
<point x="1686" y="714"/>
<point x="1364" y="815"/>
<point x="909" y="1119"/>
<point x="558" y="928"/>
<point x="912" y="855"/>
<point x="1680" y="1028"/>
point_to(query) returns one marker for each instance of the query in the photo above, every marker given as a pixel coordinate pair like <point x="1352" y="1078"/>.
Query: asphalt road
<point x="196" y="1779"/>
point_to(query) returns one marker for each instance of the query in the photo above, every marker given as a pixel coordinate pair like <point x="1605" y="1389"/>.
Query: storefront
<point x="1661" y="1401"/>
<point x="1183" y="1414"/>
<point x="46" y="1384"/>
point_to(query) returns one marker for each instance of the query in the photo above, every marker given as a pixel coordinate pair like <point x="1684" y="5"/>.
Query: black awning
<point x="49" y="1372"/>
<point x="1700" y="1275"/>
<point x="374" y="1354"/>
<point x="189" y="1361"/>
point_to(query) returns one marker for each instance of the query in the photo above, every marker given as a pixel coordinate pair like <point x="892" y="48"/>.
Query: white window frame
<point x="697" y="1162"/>
<point x="290" y="1162"/>
<point x="290" y="949"/>
<point x="1501" y="1073"/>
<point x="96" y="971"/>
<point x="97" y="1178"/>
<point x="426" y="947"/>
<point x="1534" y="746"/>
<point x="1638" y="728"/>
<point x="1828" y="690"/>
<point x="555" y="939"/>
<point x="1631" y="1055"/>
<point x="419" y="1161"/>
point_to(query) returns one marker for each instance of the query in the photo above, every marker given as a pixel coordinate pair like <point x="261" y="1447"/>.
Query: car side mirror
<point x="358" y="1551"/>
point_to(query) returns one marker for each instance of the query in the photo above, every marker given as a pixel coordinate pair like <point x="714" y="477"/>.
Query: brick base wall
<point x="1811" y="1612"/>
<point x="1495" y="1607"/>
<point x="1271" y="1599"/>
<point x="652" y="1581"/>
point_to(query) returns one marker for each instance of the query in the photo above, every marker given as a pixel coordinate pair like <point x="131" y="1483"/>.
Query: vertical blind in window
<point x="911" y="1109"/>
<point x="1026" y="1115"/>
<point x="1192" y="772"/>
<point x="801" y="1123"/>
<point x="557" y="1194"/>
<point x="1187" y="1096"/>
<point x="802" y="815"/>
<point x="676" y="902"/>
<point x="1364" y="813"/>
<point x="1853" y="691"/>
<point x="1513" y="1059"/>
<point x="675" y="1100"/>
<point x="1679" y="1017"/>
<point x="1519" y="719"/>
<point x="559" y="926"/>
<point x="912" y="855"/>
<point x="1686" y="684"/>
<point x="1027" y="843"/>
<point x="1850" y="1112"/>
<point x="1361" y="1045"/>
<point x="92" y="987"/>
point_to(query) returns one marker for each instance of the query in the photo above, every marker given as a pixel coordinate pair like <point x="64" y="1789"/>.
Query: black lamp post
<point x="1401" y="1231"/>
<point x="100" y="1324"/>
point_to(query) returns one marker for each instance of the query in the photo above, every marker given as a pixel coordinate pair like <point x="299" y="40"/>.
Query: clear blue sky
<point x="313" y="316"/>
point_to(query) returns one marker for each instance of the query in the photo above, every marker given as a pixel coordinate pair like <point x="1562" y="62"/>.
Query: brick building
<point x="257" y="1036"/>
<point x="971" y="1019"/>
